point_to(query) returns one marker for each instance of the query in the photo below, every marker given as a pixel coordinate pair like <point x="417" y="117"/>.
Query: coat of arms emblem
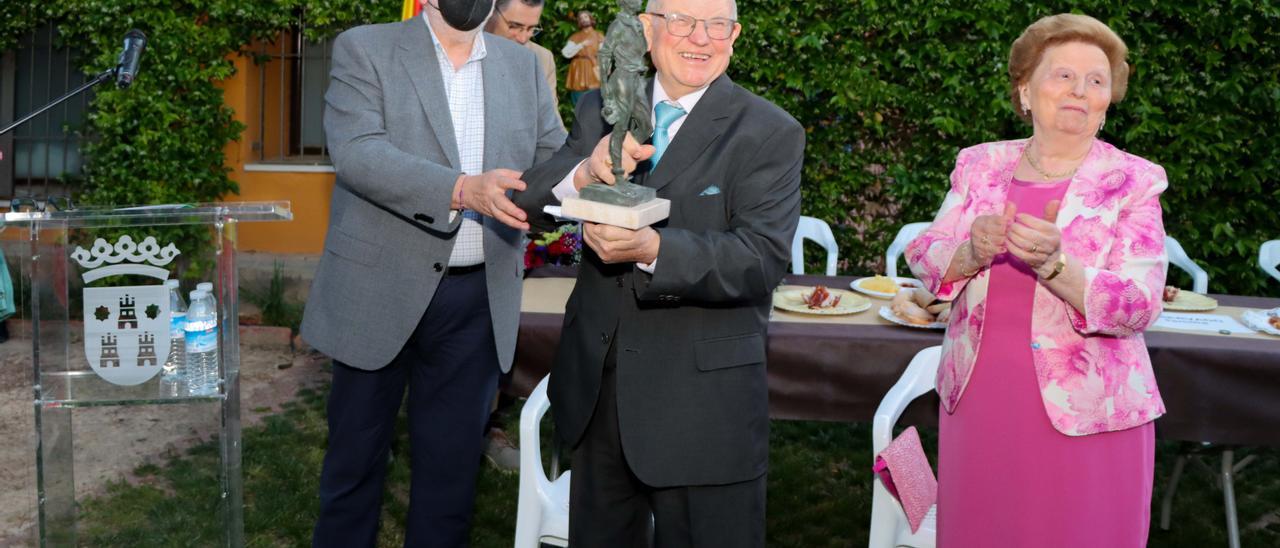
<point x="126" y="328"/>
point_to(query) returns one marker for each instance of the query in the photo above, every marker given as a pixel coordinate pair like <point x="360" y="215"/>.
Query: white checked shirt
<point x="464" y="89"/>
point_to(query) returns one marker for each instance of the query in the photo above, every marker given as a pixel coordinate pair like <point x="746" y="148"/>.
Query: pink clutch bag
<point x="905" y="472"/>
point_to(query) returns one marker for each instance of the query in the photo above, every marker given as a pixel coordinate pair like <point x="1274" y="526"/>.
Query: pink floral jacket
<point x="1094" y="371"/>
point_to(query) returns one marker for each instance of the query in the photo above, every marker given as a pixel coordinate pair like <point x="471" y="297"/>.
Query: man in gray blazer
<point x="659" y="382"/>
<point x="428" y="122"/>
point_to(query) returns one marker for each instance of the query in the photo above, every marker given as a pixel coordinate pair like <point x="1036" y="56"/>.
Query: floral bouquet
<point x="562" y="246"/>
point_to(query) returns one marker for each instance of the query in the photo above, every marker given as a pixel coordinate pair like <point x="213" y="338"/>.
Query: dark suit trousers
<point x="609" y="507"/>
<point x="451" y="368"/>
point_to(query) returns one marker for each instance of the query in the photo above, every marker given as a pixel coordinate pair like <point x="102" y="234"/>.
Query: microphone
<point x="127" y="66"/>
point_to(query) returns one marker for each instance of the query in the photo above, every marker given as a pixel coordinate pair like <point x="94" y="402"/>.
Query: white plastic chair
<point x="1178" y="257"/>
<point x="542" y="515"/>
<point x="906" y="234"/>
<point x="819" y="231"/>
<point x="889" y="526"/>
<point x="1269" y="258"/>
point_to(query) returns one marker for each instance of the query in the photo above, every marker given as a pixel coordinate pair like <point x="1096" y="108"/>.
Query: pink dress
<point x="1006" y="477"/>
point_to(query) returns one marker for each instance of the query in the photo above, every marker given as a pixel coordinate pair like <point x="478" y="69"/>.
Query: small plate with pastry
<point x="914" y="307"/>
<point x="884" y="287"/>
<point x="820" y="300"/>
<point x="1181" y="300"/>
<point x="1265" y="321"/>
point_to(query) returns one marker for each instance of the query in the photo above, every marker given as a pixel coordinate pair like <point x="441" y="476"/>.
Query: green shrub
<point x="889" y="92"/>
<point x="162" y="140"/>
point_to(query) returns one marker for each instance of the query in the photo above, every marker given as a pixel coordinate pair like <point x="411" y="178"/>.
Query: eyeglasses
<point x="519" y="27"/>
<point x="679" y="24"/>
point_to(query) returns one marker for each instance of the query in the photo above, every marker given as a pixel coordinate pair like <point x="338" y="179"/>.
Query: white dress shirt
<point x="565" y="189"/>
<point x="464" y="89"/>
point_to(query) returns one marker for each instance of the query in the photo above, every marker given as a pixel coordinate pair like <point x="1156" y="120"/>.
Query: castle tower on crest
<point x="110" y="356"/>
<point x="128" y="317"/>
<point x="147" y="349"/>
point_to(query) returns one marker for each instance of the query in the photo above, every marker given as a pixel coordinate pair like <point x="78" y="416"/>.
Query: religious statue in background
<point x="583" y="48"/>
<point x="626" y="108"/>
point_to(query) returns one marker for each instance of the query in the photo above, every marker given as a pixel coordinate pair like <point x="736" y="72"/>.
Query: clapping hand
<point x="620" y="245"/>
<point x="988" y="235"/>
<point x="486" y="194"/>
<point x="599" y="167"/>
<point x="1036" y="240"/>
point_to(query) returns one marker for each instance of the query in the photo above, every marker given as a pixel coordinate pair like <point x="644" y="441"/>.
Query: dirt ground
<point x="112" y="441"/>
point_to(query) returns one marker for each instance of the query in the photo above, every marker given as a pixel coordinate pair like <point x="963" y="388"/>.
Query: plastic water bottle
<point x="173" y="375"/>
<point x="202" y="344"/>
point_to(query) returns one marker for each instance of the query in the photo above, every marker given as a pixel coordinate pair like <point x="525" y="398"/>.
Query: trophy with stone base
<point x="617" y="205"/>
<point x="622" y="61"/>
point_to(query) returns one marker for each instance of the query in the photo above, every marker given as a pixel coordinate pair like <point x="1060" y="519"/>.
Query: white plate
<point x="857" y="286"/>
<point x="792" y="300"/>
<point x="1257" y="320"/>
<point x="889" y="315"/>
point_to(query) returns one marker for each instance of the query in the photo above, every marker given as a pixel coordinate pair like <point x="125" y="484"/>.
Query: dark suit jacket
<point x="692" y="394"/>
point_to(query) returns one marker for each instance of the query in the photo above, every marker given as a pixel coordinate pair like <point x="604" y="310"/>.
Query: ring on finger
<point x="1035" y="248"/>
<point x="986" y="240"/>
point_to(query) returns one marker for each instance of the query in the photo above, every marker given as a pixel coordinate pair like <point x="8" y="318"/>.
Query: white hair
<point x="655" y="6"/>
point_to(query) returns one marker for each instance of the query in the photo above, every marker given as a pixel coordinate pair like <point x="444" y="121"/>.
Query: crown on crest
<point x="125" y="249"/>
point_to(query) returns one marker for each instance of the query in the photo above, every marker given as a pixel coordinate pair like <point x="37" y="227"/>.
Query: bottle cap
<point x="170" y="283"/>
<point x="207" y="286"/>
<point x="197" y="293"/>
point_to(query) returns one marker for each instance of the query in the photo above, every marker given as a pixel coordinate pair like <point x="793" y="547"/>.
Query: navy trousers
<point x="450" y="365"/>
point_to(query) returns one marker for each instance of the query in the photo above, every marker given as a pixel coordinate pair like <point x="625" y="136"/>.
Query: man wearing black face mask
<point x="429" y="127"/>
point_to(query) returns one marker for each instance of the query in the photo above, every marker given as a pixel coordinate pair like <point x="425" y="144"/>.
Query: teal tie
<point x="665" y="114"/>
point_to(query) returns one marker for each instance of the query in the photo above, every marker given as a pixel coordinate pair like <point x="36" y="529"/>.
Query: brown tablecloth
<point x="1223" y="389"/>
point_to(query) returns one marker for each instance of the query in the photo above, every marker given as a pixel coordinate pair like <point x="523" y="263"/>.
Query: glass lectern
<point x="92" y="289"/>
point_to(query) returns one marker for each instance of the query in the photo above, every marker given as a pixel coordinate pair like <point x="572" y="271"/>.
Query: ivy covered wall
<point x="888" y="91"/>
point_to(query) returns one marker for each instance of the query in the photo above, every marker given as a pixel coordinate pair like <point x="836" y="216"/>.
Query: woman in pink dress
<point x="1052" y="249"/>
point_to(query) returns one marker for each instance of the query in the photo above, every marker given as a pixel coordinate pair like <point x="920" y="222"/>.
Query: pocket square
<point x="710" y="191"/>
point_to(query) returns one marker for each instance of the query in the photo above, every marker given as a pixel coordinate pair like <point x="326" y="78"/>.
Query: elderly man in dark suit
<point x="419" y="285"/>
<point x="659" y="382"/>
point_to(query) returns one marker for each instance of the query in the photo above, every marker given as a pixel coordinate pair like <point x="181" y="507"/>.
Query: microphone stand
<point x="100" y="78"/>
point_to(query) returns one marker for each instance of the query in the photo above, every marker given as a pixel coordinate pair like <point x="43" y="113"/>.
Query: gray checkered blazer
<point x="395" y="155"/>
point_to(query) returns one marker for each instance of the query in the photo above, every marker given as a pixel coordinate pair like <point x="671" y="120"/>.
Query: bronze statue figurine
<point x="626" y="107"/>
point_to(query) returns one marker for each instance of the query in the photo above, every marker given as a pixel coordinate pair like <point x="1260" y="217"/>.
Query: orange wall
<point x="309" y="193"/>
